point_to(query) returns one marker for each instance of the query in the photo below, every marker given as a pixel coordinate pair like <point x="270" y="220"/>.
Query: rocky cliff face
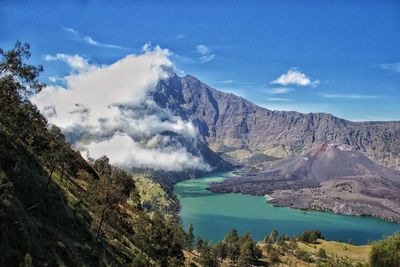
<point x="240" y="129"/>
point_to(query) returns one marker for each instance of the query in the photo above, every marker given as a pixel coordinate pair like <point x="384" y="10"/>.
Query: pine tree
<point x="245" y="258"/>
<point x="106" y="193"/>
<point x="189" y="238"/>
<point x="231" y="240"/>
<point x="273" y="236"/>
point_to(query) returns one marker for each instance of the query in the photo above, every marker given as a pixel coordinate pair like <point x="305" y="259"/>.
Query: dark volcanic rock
<point x="336" y="178"/>
<point x="323" y="163"/>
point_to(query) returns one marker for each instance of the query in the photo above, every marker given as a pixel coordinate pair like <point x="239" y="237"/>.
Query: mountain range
<point x="308" y="161"/>
<point x="239" y="130"/>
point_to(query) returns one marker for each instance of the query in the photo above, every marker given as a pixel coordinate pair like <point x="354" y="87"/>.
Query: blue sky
<point x="341" y="57"/>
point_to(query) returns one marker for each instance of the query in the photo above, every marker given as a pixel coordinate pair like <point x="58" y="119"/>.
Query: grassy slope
<point x="153" y="197"/>
<point x="336" y="251"/>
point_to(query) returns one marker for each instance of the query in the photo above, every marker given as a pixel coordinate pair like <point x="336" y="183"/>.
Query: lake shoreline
<point x="219" y="212"/>
<point x="316" y="198"/>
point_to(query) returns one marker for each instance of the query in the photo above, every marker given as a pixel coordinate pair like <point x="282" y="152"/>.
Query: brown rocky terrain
<point x="241" y="130"/>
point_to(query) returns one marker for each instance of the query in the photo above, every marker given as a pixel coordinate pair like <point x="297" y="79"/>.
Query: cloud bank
<point x="109" y="110"/>
<point x="295" y="77"/>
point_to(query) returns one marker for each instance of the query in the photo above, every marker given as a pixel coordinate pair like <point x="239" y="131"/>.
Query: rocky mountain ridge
<point x="238" y="129"/>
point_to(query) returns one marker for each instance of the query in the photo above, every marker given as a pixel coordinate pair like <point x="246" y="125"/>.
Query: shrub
<point x="310" y="236"/>
<point x="386" y="252"/>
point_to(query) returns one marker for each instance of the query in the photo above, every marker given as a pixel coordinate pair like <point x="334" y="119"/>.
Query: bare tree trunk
<point x="45" y="192"/>
<point x="35" y="205"/>
<point x="76" y="206"/>
<point x="62" y="172"/>
<point x="98" y="230"/>
<point x="51" y="175"/>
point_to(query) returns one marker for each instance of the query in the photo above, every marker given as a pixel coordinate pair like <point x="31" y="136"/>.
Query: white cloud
<point x="76" y="62"/>
<point x="109" y="110"/>
<point x="280" y="90"/>
<point x="184" y="59"/>
<point x="205" y="53"/>
<point x="295" y="77"/>
<point x="89" y="40"/>
<point x="55" y="79"/>
<point x="202" y="49"/>
<point x="179" y="36"/>
<point x="226" y="82"/>
<point x="391" y="66"/>
<point x="351" y="96"/>
<point x="125" y="152"/>
<point x="279" y="99"/>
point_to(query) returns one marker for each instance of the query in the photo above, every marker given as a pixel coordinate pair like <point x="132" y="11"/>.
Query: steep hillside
<point x="56" y="209"/>
<point x="57" y="220"/>
<point x="154" y="197"/>
<point x="48" y="233"/>
<point x="230" y="123"/>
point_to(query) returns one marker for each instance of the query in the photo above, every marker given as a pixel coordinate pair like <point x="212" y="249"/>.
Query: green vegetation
<point x="234" y="249"/>
<point x="38" y="225"/>
<point x="305" y="250"/>
<point x="189" y="240"/>
<point x="321" y="254"/>
<point x="241" y="250"/>
<point x="310" y="236"/>
<point x="386" y="252"/>
<point x="272" y="237"/>
<point x="154" y="197"/>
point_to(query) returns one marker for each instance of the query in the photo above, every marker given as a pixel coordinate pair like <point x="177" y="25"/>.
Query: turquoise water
<point x="213" y="215"/>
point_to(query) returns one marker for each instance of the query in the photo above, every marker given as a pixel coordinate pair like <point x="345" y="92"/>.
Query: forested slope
<point x="56" y="209"/>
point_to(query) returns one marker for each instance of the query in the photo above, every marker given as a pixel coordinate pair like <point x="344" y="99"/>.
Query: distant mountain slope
<point x="324" y="163"/>
<point x="228" y="123"/>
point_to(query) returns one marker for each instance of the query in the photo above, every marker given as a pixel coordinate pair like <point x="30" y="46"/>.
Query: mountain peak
<point x="232" y="123"/>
